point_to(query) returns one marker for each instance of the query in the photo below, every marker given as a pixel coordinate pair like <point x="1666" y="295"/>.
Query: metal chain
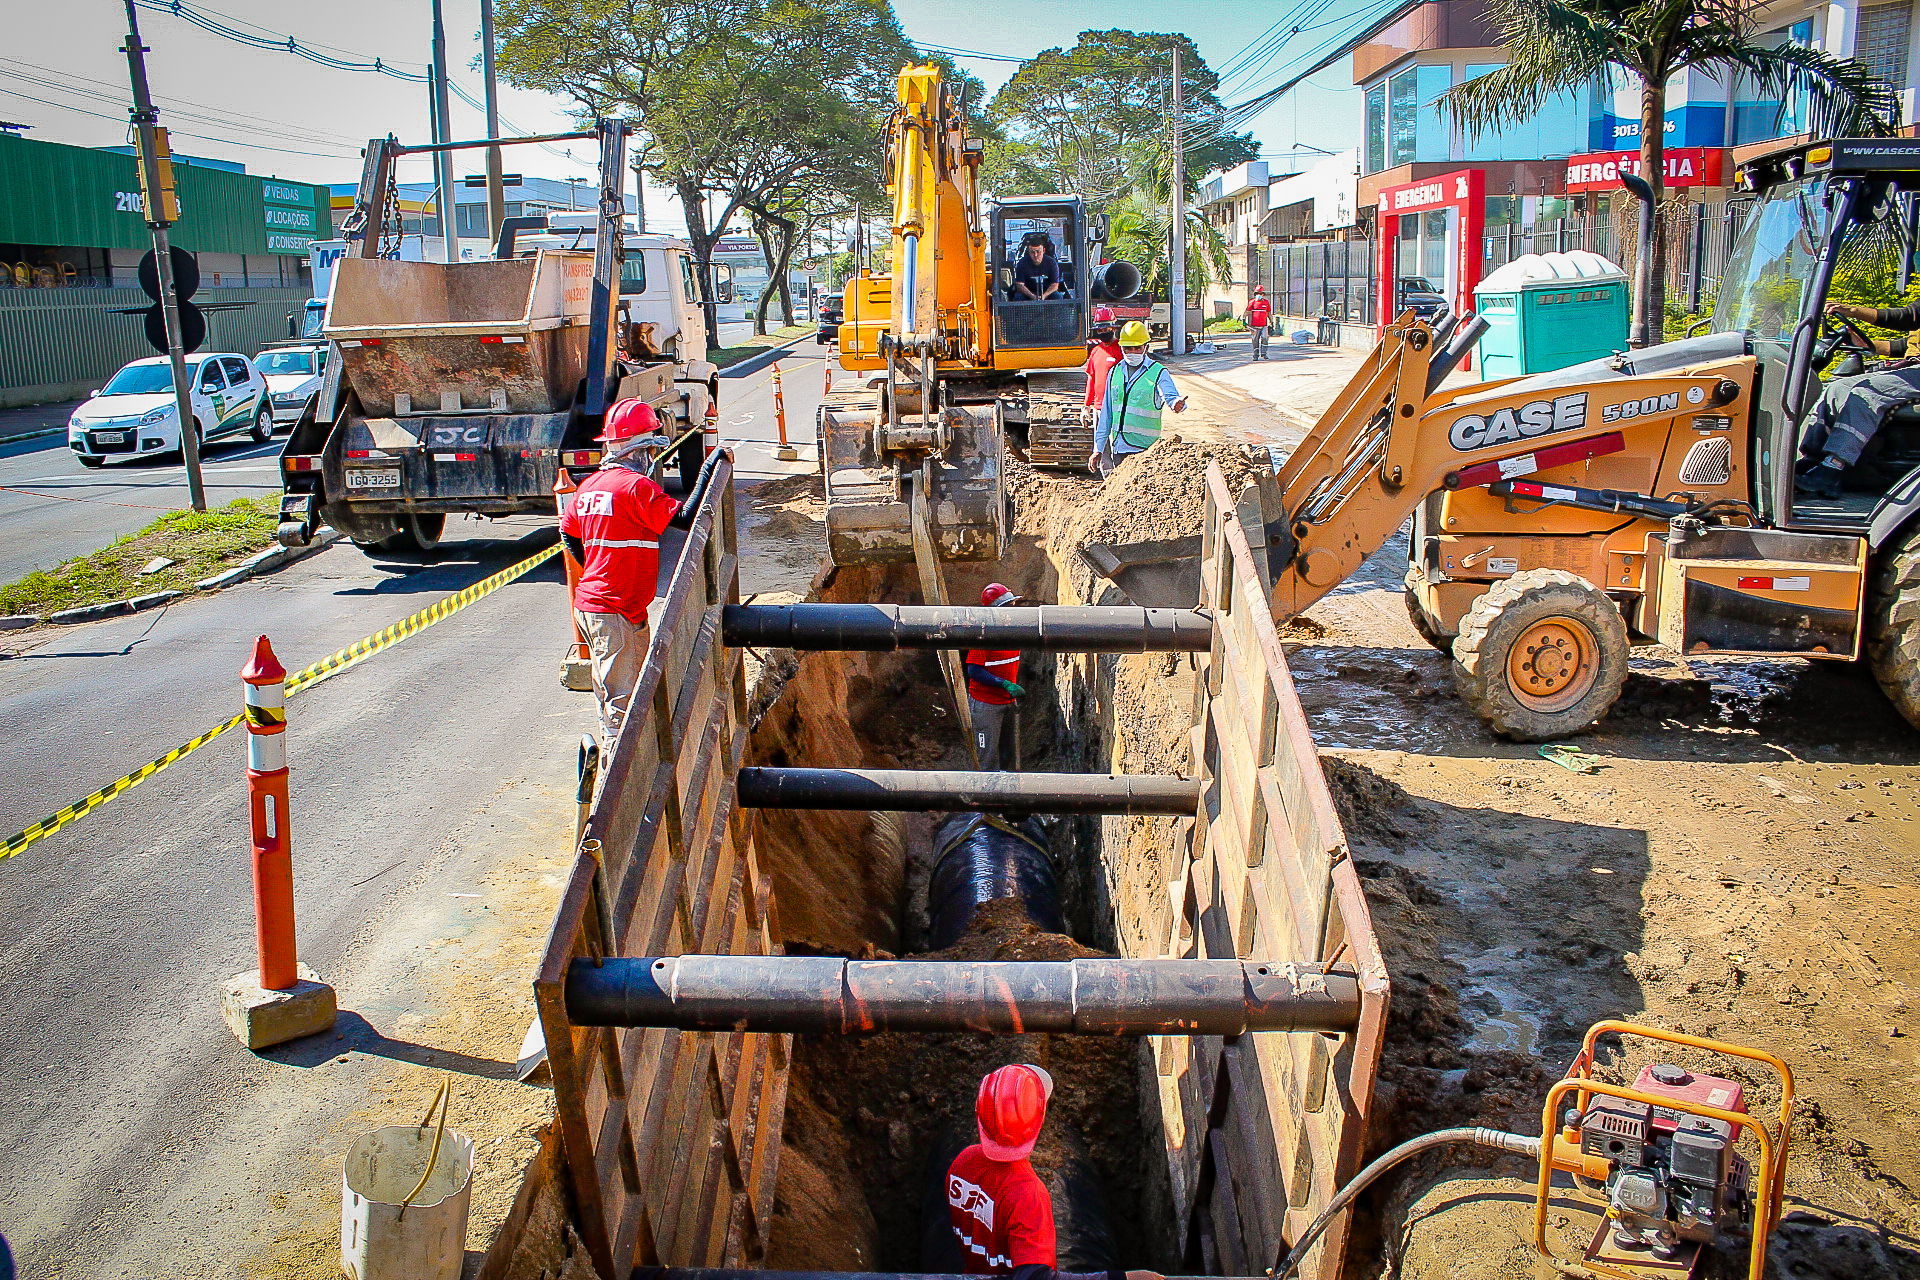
<point x="389" y="246"/>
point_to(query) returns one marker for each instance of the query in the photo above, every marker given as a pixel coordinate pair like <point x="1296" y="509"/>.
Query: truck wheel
<point x="1426" y="624"/>
<point x="1540" y="656"/>
<point x="1893" y="623"/>
<point x="418" y="533"/>
<point x="687" y="459"/>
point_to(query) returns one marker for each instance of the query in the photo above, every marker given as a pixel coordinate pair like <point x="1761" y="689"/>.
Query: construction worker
<point x="613" y="527"/>
<point x="1103" y="352"/>
<point x="1259" y="312"/>
<point x="997" y="1204"/>
<point x="1852" y="409"/>
<point x="992" y="685"/>
<point x="1137" y="390"/>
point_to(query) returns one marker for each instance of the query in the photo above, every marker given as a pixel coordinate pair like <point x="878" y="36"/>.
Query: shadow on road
<point x="353" y="1033"/>
<point x="456" y="565"/>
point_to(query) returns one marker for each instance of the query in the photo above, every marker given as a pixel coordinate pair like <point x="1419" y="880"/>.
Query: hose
<point x="690" y="505"/>
<point x="1519" y="1144"/>
<point x="440" y="1102"/>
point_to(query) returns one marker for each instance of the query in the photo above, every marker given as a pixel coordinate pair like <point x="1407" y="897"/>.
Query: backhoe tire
<point x="1426" y="624"/>
<point x="1893" y="623"/>
<point x="418" y="534"/>
<point x="1540" y="656"/>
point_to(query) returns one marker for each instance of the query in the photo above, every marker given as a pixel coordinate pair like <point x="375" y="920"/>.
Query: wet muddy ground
<point x="1740" y="864"/>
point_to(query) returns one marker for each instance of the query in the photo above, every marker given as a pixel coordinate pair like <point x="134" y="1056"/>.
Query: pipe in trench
<point x="912" y="790"/>
<point x="978" y="859"/>
<point x="1044" y="628"/>
<point x="831" y="996"/>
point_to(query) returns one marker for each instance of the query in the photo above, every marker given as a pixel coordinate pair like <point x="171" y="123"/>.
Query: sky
<point x="61" y="72"/>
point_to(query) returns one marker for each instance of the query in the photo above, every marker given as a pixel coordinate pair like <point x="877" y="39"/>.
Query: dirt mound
<point x="773" y="493"/>
<point x="1001" y="931"/>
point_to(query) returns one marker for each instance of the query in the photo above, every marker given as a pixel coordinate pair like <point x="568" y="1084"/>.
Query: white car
<point x="133" y="416"/>
<point x="293" y="376"/>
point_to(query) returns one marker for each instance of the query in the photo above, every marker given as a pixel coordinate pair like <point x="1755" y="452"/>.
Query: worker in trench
<point x="612" y="527"/>
<point x="1137" y="390"/>
<point x="993" y="686"/>
<point x="998" y="1206"/>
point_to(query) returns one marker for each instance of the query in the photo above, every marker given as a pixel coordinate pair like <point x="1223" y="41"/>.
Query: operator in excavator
<point x="997" y="1204"/>
<point x="1036" y="276"/>
<point x="1137" y="389"/>
<point x="1851" y="409"/>
<point x="992" y="685"/>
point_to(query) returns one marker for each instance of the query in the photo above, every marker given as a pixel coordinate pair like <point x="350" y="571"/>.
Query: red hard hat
<point x="1103" y="315"/>
<point x="996" y="593"/>
<point x="628" y="419"/>
<point x="1011" y="1108"/>
<point x="1260" y="288"/>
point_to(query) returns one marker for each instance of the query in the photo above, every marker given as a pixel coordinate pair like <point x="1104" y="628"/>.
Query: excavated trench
<point x="872" y="1121"/>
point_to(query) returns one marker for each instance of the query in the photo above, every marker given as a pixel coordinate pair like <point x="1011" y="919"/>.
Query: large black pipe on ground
<point x="978" y="859"/>
<point x="821" y="994"/>
<point x="1047" y="628"/>
<point x="919" y="790"/>
<point x="717" y="1273"/>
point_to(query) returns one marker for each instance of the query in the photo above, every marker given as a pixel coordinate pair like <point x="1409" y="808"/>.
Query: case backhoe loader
<point x="1648" y="496"/>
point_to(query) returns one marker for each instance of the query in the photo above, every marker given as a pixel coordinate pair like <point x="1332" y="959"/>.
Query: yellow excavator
<point x="948" y="337"/>
<point x="1645" y="497"/>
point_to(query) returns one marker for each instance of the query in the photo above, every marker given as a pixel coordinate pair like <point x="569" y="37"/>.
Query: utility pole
<point x="446" y="206"/>
<point x="496" y="180"/>
<point x="144" y="120"/>
<point x="1177" y="225"/>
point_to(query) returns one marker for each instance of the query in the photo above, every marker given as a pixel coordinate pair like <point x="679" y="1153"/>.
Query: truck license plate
<point x="369" y="478"/>
<point x="110" y="437"/>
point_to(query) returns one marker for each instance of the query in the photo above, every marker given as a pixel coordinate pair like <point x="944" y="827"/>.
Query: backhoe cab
<point x="1646" y="497"/>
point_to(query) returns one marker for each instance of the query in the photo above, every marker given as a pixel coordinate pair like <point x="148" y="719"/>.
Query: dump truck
<point x="465" y="387"/>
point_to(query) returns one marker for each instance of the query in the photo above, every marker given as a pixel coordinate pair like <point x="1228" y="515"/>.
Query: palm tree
<point x="1559" y="45"/>
<point x="1138" y="230"/>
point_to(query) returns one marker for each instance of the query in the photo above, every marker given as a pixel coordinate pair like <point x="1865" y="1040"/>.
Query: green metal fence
<point x="57" y="344"/>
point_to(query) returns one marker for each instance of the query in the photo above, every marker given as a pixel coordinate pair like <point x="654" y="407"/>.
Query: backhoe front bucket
<point x="869" y="490"/>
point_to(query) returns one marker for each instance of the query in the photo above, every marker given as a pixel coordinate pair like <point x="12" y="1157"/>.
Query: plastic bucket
<point x="425" y="1240"/>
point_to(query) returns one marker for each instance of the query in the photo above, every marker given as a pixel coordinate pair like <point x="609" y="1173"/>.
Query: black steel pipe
<point x="823" y="994"/>
<point x="1048" y="628"/>
<point x="718" y="1273"/>
<point x="912" y="790"/>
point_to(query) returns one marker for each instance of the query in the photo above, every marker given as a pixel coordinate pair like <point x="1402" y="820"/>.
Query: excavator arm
<point x="1393" y="437"/>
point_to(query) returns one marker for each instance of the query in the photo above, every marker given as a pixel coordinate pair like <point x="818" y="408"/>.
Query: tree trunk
<point x="693" y="202"/>
<point x="760" y="229"/>
<point x="1650" y="303"/>
<point x="788" y="234"/>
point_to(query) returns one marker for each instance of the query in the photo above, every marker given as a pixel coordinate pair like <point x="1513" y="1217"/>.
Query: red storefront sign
<point x="1465" y="190"/>
<point x="1686" y="167"/>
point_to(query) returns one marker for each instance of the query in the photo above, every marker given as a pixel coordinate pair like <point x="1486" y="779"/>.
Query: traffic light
<point x="186" y="279"/>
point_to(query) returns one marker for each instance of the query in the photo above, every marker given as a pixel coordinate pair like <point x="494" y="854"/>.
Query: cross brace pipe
<point x="1048" y="628"/>
<point x="718" y="1273"/>
<point x="912" y="790"/>
<point x="822" y="994"/>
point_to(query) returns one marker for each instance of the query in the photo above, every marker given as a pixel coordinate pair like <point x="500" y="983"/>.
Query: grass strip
<point x="200" y="543"/>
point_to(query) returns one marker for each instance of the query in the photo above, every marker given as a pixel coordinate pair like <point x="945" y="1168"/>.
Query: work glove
<point x="1013" y="688"/>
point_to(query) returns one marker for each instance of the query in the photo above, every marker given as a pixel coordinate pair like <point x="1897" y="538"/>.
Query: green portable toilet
<point x="1549" y="310"/>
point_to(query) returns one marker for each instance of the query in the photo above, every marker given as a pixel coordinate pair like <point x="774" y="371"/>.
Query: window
<point x="1403" y="116"/>
<point x="210" y="379"/>
<point x="1881" y="41"/>
<point x="1559" y="128"/>
<point x="1376" y="128"/>
<point x="1433" y="130"/>
<point x="633" y="272"/>
<point x="687" y="281"/>
<point x="236" y="370"/>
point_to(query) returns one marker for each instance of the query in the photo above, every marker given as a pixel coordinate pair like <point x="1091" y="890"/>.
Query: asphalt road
<point x="52" y="509"/>
<point x="142" y="1139"/>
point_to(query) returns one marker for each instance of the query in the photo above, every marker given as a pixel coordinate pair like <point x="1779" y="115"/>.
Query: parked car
<point x="1418" y="292"/>
<point x="293" y="378"/>
<point x="832" y="312"/>
<point x="133" y="416"/>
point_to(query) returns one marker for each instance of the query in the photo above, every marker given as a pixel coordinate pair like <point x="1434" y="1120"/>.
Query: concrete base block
<point x="263" y="1018"/>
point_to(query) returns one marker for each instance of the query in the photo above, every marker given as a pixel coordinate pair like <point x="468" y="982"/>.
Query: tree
<point x="714" y="85"/>
<point x="1559" y="45"/>
<point x="1093" y="120"/>
<point x="1138" y="233"/>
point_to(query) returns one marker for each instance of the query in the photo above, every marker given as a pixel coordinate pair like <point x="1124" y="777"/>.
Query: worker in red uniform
<point x="1103" y="353"/>
<point x="993" y="682"/>
<point x="997" y="1204"/>
<point x="1259" y="313"/>
<point x="613" y="527"/>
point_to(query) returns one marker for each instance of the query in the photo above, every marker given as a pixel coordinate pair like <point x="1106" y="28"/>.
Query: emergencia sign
<point x="1685" y="167"/>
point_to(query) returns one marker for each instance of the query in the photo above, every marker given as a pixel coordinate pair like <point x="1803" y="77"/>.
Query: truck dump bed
<point x="463" y="337"/>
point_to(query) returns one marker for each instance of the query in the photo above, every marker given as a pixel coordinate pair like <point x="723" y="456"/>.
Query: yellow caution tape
<point x="325" y="669"/>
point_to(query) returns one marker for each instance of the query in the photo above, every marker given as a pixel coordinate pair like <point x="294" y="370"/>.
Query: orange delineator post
<point x="266" y="682"/>
<point x="826" y="375"/>
<point x="563" y="490"/>
<point x="784" y="451"/>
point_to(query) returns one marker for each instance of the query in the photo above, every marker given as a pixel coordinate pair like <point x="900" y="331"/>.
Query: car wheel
<point x="85" y="461"/>
<point x="263" y="425"/>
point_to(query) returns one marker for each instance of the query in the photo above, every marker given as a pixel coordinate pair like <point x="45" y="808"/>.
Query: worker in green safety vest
<point x="1137" y="390"/>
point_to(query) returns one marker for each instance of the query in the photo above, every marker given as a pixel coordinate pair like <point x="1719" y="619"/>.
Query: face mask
<point x="1135" y="359"/>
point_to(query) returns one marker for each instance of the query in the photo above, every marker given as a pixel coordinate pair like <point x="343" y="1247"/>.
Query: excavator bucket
<point x="871" y="471"/>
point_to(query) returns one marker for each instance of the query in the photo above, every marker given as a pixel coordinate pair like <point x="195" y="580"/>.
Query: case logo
<point x="1503" y="426"/>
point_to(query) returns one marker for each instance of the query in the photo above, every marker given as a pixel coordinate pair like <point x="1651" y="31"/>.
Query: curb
<point x="33" y="435"/>
<point x="754" y="364"/>
<point x="265" y="561"/>
<point x="14" y="622"/>
<point x="112" y="608"/>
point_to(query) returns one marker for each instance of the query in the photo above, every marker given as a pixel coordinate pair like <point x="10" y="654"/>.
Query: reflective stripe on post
<point x="783" y="451"/>
<point x="266" y="710"/>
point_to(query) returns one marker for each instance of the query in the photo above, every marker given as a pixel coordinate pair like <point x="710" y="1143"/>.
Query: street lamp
<point x="573" y="193"/>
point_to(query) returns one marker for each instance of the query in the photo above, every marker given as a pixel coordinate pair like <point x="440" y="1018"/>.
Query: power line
<point x="182" y="133"/>
<point x="207" y="20"/>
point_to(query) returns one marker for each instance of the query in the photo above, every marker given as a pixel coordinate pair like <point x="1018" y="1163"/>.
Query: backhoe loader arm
<point x="1387" y="441"/>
